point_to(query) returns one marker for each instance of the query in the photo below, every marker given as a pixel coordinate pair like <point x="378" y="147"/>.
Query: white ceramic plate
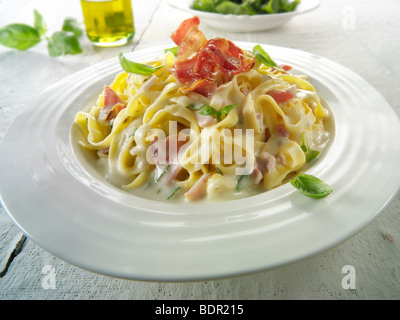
<point x="62" y="204"/>
<point x="244" y="23"/>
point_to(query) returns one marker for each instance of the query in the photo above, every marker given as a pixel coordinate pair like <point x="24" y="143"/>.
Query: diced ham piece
<point x="285" y="67"/>
<point x="110" y="98"/>
<point x="282" y="96"/>
<point x="114" y="111"/>
<point x="266" y="162"/>
<point x="281" y="130"/>
<point x="112" y="104"/>
<point x="166" y="157"/>
<point x="257" y="175"/>
<point x="198" y="190"/>
<point x="205" y="121"/>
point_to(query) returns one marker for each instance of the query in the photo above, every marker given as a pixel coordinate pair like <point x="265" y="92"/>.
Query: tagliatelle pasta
<point x="231" y="128"/>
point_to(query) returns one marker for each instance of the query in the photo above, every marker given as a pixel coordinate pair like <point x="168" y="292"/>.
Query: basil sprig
<point x="21" y="36"/>
<point x="262" y="56"/>
<point x="207" y="110"/>
<point x="134" y="67"/>
<point x="311" y="186"/>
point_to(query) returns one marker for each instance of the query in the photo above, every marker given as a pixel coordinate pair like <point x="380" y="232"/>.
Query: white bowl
<point x="244" y="23"/>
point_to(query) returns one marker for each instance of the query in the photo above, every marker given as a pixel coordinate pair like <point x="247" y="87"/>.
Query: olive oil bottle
<point x="108" y="22"/>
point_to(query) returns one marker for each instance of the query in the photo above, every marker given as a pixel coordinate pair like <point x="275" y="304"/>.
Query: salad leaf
<point x="272" y="6"/>
<point x="227" y="7"/>
<point x="19" y="36"/>
<point x="245" y="7"/>
<point x="311" y="186"/>
<point x="137" y="68"/>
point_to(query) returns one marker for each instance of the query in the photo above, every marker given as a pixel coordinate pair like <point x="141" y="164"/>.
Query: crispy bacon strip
<point x="188" y="38"/>
<point x="202" y="65"/>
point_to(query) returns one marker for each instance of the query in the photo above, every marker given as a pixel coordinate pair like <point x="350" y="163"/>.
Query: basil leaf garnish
<point x="207" y="110"/>
<point x="19" y="36"/>
<point x="134" y="67"/>
<point x="311" y="186"/>
<point x="310" y="153"/>
<point x="174" y="50"/>
<point x="225" y="110"/>
<point x="263" y="56"/>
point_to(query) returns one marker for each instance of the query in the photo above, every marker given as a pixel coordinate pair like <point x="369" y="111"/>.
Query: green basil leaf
<point x="225" y="110"/>
<point x="134" y="67"/>
<point x="62" y="43"/>
<point x="311" y="186"/>
<point x="311" y="155"/>
<point x="19" y="36"/>
<point x="263" y="57"/>
<point x="191" y="106"/>
<point x="72" y="25"/>
<point x="39" y="23"/>
<point x="174" y="51"/>
<point x="206" y="110"/>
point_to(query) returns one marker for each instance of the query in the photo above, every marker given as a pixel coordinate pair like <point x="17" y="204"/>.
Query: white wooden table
<point x="363" y="35"/>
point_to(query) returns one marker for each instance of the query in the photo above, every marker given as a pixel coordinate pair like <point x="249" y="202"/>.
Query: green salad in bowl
<point x="245" y="7"/>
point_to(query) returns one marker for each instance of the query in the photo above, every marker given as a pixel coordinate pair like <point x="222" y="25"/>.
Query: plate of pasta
<point x="182" y="163"/>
